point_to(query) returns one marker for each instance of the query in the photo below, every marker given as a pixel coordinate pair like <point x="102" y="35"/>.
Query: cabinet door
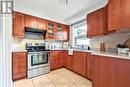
<point x="118" y="14"/>
<point x="41" y="24"/>
<point x="110" y="72"/>
<point x="80" y="63"/>
<point x="56" y="60"/>
<point x="59" y="34"/>
<point x="71" y="62"/>
<point x="89" y="66"/>
<point x="19" y="65"/>
<point x="18" y="24"/>
<point x="66" y="61"/>
<point x="30" y="21"/>
<point x="54" y="63"/>
<point x="66" y="29"/>
<point x="50" y="30"/>
<point x="53" y="60"/>
<point x="59" y="27"/>
<point x="96" y="23"/>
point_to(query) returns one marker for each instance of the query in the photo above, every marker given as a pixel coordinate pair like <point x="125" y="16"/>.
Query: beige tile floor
<point x="57" y="78"/>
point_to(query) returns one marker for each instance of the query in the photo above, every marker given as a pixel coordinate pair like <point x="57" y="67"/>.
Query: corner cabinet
<point x="97" y="23"/>
<point x="110" y="72"/>
<point x="66" y="29"/>
<point x="18" y="24"/>
<point x="118" y="14"/>
<point x="19" y="65"/>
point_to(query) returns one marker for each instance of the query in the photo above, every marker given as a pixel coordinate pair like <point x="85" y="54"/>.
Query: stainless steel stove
<point x="38" y="59"/>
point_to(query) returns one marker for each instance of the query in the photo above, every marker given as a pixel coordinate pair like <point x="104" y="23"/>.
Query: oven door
<point x="37" y="59"/>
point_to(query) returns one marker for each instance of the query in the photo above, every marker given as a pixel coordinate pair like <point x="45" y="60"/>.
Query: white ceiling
<point x="54" y="10"/>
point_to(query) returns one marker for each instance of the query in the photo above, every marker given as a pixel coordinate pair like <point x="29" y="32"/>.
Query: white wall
<point x="1" y="52"/>
<point x="5" y="51"/>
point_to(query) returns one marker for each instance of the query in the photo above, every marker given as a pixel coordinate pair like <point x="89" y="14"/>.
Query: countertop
<point x="59" y="49"/>
<point x="19" y="51"/>
<point x="111" y="54"/>
<point x="108" y="54"/>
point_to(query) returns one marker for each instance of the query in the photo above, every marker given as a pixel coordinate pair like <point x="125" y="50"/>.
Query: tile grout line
<point x="33" y="83"/>
<point x="60" y="76"/>
<point x="51" y="82"/>
<point x="73" y="83"/>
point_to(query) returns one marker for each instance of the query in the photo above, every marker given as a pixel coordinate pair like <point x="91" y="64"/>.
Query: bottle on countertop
<point x="102" y="46"/>
<point x="89" y="48"/>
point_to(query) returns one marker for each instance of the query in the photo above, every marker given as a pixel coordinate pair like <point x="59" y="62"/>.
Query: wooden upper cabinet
<point x="18" y="24"/>
<point x="59" y="27"/>
<point x="26" y="20"/>
<point x="62" y="32"/>
<point x="41" y="24"/>
<point x="96" y="23"/>
<point x="118" y="14"/>
<point x="19" y="65"/>
<point x="50" y="30"/>
<point x="66" y="29"/>
<point x="20" y="21"/>
<point x="30" y="21"/>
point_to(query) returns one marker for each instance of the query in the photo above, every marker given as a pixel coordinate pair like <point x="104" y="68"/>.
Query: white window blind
<point x="79" y="34"/>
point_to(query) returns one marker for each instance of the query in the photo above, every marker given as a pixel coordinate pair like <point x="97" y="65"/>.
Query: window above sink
<point x="79" y="35"/>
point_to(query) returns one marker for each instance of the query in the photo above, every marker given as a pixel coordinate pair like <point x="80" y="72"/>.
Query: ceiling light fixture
<point x="63" y="2"/>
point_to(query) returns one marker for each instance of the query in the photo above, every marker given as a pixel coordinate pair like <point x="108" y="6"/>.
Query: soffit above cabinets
<point x="56" y="10"/>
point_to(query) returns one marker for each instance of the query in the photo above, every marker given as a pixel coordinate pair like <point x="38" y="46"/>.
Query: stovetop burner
<point x="36" y="47"/>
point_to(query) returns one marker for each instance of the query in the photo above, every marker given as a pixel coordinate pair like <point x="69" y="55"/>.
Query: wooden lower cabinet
<point x="69" y="61"/>
<point x="66" y="60"/>
<point x="56" y="63"/>
<point x="77" y="62"/>
<point x="80" y="63"/>
<point x="89" y="66"/>
<point x="19" y="65"/>
<point x="110" y="72"/>
<point x="56" y="59"/>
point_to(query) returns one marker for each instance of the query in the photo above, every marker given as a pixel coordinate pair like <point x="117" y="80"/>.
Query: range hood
<point x="34" y="31"/>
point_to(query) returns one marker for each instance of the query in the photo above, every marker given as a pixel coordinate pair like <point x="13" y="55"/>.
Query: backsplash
<point x="53" y="45"/>
<point x="19" y="43"/>
<point x="110" y="41"/>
